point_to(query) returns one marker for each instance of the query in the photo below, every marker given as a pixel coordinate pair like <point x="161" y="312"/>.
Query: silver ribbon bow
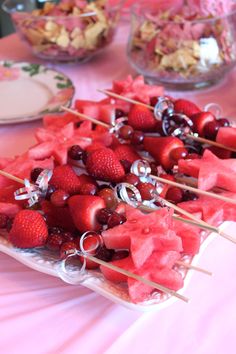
<point x="34" y="192"/>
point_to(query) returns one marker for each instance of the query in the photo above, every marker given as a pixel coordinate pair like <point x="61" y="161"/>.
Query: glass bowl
<point x="63" y="32"/>
<point x="181" y="51"/>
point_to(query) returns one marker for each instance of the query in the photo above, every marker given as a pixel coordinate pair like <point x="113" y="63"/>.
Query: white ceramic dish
<point x="45" y="262"/>
<point x="28" y="91"/>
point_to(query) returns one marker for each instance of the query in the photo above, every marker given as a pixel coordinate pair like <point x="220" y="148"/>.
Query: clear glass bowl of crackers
<point x="69" y="30"/>
<point x="188" y="45"/>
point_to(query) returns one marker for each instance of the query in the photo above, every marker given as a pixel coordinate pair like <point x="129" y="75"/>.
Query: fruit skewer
<point x="201" y="223"/>
<point x="190" y="136"/>
<point x="182" y="186"/>
<point x="135" y="276"/>
<point x="195" y="190"/>
<point x="189" y="266"/>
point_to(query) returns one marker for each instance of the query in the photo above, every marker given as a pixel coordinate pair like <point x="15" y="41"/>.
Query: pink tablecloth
<point x="40" y="314"/>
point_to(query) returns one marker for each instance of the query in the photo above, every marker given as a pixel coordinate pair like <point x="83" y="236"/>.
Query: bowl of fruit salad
<point x="183" y="45"/>
<point x="65" y="31"/>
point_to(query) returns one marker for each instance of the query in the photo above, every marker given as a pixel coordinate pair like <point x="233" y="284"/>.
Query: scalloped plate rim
<point x="39" y="114"/>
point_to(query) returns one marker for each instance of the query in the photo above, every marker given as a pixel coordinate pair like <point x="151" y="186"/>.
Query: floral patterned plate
<point x="28" y="91"/>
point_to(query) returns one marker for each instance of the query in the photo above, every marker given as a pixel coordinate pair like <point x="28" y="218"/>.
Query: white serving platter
<point x="44" y="261"/>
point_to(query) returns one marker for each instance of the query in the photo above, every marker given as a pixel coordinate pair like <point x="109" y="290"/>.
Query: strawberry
<point x="186" y="107"/>
<point x="161" y="147"/>
<point x="200" y="120"/>
<point x="126" y="152"/>
<point x="104" y="165"/>
<point x="58" y="216"/>
<point x="83" y="209"/>
<point x="141" y="118"/>
<point x="94" y="146"/>
<point x="65" y="178"/>
<point x="28" y="230"/>
<point x="84" y="179"/>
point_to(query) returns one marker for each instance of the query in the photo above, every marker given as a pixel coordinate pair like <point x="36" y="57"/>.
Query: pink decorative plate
<point x="28" y="91"/>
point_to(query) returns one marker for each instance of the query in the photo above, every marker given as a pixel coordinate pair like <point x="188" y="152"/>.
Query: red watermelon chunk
<point x="90" y="108"/>
<point x="9" y="209"/>
<point x="143" y="234"/>
<point x="169" y="278"/>
<point x="216" y="172"/>
<point x="213" y="212"/>
<point x="41" y="151"/>
<point x="139" y="291"/>
<point x="212" y="171"/>
<point x="4" y="161"/>
<point x="164" y="259"/>
<point x="22" y="166"/>
<point x="109" y="274"/>
<point x="137" y="89"/>
<point x="190" y="235"/>
<point x="227" y="136"/>
<point x="189" y="167"/>
<point x="57" y="121"/>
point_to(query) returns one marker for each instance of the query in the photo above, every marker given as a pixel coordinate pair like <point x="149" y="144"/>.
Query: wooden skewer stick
<point x="195" y="190"/>
<point x="137" y="277"/>
<point x="192" y="221"/>
<point x="196" y="223"/>
<point x="193" y="267"/>
<point x="199" y="139"/>
<point x="19" y="180"/>
<point x="13" y="178"/>
<point x="186" y="187"/>
<point x="84" y="116"/>
<point x="130" y="100"/>
<point x="202" y="223"/>
<point x="192" y="182"/>
<point x="209" y="142"/>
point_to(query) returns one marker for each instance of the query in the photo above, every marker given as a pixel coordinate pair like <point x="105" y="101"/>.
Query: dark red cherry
<point x="137" y="137"/>
<point x="75" y="152"/>
<point x="126" y="132"/>
<point x="115" y="219"/>
<point x="103" y="215"/>
<point x="178" y="154"/>
<point x="223" y="122"/>
<point x="54" y="242"/>
<point x="59" y="198"/>
<point x="119" y="113"/>
<point x="174" y="195"/>
<point x="211" y="129"/>
<point x="35" y="173"/>
<point x="131" y="179"/>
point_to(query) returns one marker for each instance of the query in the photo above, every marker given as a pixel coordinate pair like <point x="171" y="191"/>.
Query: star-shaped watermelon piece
<point x="150" y="270"/>
<point x="56" y="142"/>
<point x="144" y="234"/>
<point x="137" y="89"/>
<point x="213" y="212"/>
<point x="211" y="171"/>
